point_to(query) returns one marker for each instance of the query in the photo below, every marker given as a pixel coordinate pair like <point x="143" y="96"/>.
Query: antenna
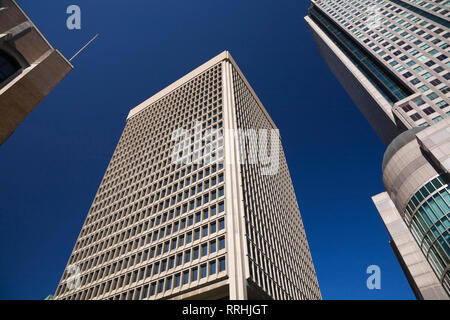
<point x="84" y="47"/>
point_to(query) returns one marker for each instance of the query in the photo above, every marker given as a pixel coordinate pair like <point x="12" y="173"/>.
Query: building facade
<point x="392" y="57"/>
<point x="189" y="208"/>
<point x="29" y="67"/>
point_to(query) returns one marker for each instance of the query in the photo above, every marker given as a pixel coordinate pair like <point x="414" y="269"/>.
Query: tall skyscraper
<point x="392" y="57"/>
<point x="193" y="204"/>
<point x="29" y="67"/>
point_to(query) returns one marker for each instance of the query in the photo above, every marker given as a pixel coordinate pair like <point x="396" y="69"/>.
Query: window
<point x="160" y="286"/>
<point x="177" y="280"/>
<point x="204" y="249"/>
<point x="145" y="292"/>
<point x="212" y="267"/>
<point x="156" y="268"/>
<point x="419" y="102"/>
<point x="435" y="82"/>
<point x="194" y="276"/>
<point x="222" y="243"/>
<point x="169" y="283"/>
<point x="185" y="277"/>
<point x="222" y="265"/>
<point x="428" y="110"/>
<point x="203" y="271"/>
<point x="437" y="119"/>
<point x="212" y="246"/>
<point x="181" y="240"/>
<point x="196" y="253"/>
<point x="8" y="66"/>
<point x="442" y="104"/>
<point x="445" y="89"/>
<point x="197" y="234"/>
<point x="423" y="88"/>
<point x="432" y="96"/>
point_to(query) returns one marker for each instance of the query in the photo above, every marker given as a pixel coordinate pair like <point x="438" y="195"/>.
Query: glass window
<point x="197" y="234"/>
<point x="203" y="271"/>
<point x="212" y="246"/>
<point x="169" y="283"/>
<point x="222" y="266"/>
<point x="177" y="280"/>
<point x="194" y="274"/>
<point x="222" y="243"/>
<point x="212" y="267"/>
<point x="204" y="249"/>
<point x="185" y="277"/>
<point x="196" y="253"/>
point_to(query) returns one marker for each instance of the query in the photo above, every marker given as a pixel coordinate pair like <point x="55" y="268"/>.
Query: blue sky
<point x="53" y="164"/>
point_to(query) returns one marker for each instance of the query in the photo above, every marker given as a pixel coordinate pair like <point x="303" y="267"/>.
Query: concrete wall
<point x="43" y="67"/>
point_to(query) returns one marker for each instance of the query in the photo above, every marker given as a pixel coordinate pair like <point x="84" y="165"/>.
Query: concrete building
<point x="29" y="67"/>
<point x="188" y="208"/>
<point x="392" y="57"/>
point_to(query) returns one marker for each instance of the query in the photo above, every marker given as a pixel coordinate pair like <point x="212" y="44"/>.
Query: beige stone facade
<point x="209" y="228"/>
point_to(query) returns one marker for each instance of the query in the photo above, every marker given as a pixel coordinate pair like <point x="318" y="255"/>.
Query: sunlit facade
<point x="392" y="57"/>
<point x="201" y="226"/>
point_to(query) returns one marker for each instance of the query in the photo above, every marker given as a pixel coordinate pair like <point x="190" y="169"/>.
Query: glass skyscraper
<point x="178" y="216"/>
<point x="392" y="57"/>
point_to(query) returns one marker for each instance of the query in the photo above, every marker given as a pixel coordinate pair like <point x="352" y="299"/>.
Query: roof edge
<point x="225" y="55"/>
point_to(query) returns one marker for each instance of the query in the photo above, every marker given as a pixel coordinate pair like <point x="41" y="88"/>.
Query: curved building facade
<point x="391" y="56"/>
<point x="420" y="191"/>
<point x="416" y="179"/>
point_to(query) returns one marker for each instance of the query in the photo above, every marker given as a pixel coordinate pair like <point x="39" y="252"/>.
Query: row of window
<point x="190" y="277"/>
<point x="156" y="250"/>
<point x="398" y="17"/>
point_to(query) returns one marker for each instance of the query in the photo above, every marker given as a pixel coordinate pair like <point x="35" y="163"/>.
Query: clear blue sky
<point x="52" y="165"/>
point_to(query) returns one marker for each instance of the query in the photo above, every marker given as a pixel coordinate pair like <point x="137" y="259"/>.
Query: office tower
<point x="392" y="57"/>
<point x="189" y="208"/>
<point x="29" y="67"/>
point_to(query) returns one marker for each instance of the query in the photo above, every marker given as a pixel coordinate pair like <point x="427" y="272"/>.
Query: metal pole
<point x="84" y="47"/>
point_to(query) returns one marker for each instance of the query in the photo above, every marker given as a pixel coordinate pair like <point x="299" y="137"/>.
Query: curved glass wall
<point x="428" y="217"/>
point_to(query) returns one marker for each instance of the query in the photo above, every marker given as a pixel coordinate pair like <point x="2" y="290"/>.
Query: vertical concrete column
<point x="233" y="193"/>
